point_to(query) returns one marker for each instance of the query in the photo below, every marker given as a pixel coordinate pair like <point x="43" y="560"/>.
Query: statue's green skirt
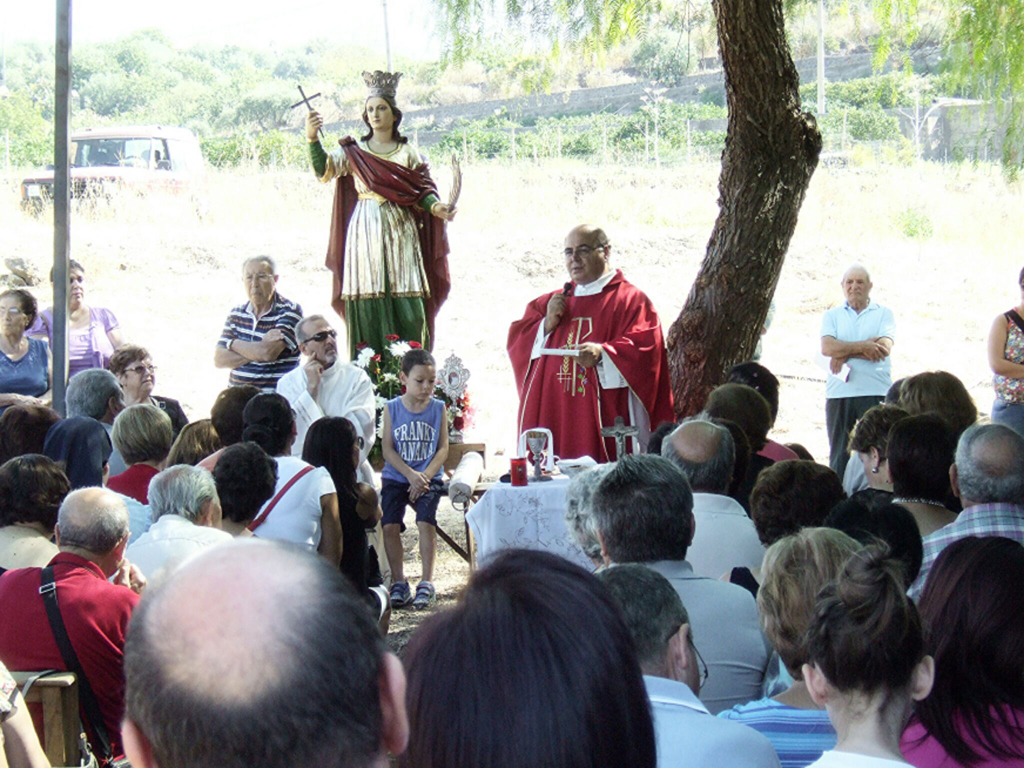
<point x="371" y="320"/>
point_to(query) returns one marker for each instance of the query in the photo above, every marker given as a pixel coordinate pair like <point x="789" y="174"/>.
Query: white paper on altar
<point x="533" y="517"/>
<point x="560" y="352"/>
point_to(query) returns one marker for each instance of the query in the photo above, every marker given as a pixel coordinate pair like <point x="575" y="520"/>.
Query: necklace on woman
<point x="929" y="502"/>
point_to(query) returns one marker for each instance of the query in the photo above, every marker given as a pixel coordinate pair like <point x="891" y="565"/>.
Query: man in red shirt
<point x="92" y="533"/>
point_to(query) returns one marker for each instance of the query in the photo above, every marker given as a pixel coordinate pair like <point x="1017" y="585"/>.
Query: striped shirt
<point x="997" y="519"/>
<point x="800" y="736"/>
<point x="242" y="325"/>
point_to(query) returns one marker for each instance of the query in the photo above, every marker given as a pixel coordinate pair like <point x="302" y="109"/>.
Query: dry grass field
<point x="941" y="242"/>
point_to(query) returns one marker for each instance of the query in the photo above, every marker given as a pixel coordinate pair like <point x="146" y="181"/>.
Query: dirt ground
<point x="941" y="242"/>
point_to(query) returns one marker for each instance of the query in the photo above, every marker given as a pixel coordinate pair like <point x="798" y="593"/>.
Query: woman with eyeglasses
<point x="24" y="362"/>
<point x="93" y="332"/>
<point x="1006" y="358"/>
<point x="135" y="371"/>
<point x="795" y="569"/>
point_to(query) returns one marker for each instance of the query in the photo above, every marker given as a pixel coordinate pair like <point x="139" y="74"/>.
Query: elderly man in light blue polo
<point x="857" y="336"/>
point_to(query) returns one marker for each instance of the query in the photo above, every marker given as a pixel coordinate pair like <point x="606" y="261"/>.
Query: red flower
<point x="392" y="337"/>
<point x="361" y="345"/>
<point x="376" y="358"/>
<point x="414" y="345"/>
<point x="458" y="423"/>
<point x="403" y="389"/>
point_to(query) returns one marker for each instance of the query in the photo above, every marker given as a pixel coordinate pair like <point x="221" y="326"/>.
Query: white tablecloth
<point x="530" y="517"/>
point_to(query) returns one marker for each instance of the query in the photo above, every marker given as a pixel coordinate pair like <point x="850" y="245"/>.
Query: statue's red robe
<point x="558" y="393"/>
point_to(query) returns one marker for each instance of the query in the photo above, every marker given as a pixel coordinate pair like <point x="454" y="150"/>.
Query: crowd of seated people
<point x="750" y="607"/>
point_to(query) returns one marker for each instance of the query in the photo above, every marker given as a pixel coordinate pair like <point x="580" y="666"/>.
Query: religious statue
<point x="388" y="247"/>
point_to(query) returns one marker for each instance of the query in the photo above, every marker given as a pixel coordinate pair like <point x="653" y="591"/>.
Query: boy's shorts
<point x="395" y="498"/>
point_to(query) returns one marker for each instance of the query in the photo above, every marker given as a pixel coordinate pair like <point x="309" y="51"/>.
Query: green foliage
<point x="587" y="136"/>
<point x="987" y="50"/>
<point x="30" y="134"/>
<point x="591" y="27"/>
<point x="894" y="89"/>
<point x="662" y="60"/>
<point x="867" y="124"/>
<point x="272" y="148"/>
<point x="914" y="223"/>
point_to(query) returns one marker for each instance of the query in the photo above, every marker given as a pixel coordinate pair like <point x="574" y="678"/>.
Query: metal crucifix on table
<point x="620" y="431"/>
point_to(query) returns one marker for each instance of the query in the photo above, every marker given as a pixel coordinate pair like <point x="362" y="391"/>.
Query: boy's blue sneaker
<point x="424" y="595"/>
<point x="401" y="595"/>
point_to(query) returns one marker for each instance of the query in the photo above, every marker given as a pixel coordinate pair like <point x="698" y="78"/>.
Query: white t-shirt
<point x="296" y="517"/>
<point x="836" y="759"/>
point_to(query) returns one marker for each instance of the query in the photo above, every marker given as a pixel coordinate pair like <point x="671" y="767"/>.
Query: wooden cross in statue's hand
<point x="305" y="100"/>
<point x="620" y="431"/>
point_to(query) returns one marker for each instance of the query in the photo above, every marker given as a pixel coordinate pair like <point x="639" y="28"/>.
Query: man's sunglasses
<point x="323" y="336"/>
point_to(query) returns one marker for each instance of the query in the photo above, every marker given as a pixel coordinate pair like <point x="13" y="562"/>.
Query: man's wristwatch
<point x="230" y="342"/>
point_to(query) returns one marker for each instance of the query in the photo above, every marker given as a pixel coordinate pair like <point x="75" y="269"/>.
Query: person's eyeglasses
<point x="260" y="277"/>
<point x="581" y="250"/>
<point x="142" y="368"/>
<point x="14" y="311"/>
<point x="323" y="336"/>
<point x="703" y="666"/>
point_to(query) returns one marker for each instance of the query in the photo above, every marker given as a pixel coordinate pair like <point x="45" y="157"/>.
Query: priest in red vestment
<point x="621" y="368"/>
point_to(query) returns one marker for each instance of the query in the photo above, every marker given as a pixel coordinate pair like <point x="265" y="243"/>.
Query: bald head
<point x="197" y="629"/>
<point x="255" y="653"/>
<point x="93" y="521"/>
<point x="586" y="253"/>
<point x="705" y="451"/>
<point x="589" y="234"/>
<point x="989" y="465"/>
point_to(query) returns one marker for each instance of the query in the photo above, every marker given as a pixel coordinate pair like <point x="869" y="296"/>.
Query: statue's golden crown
<point x="380" y="83"/>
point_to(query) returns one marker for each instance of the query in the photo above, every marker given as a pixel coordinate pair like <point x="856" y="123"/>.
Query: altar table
<point x="525" y="517"/>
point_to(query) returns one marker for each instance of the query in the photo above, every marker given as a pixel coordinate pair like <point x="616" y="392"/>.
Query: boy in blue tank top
<point x="415" y="446"/>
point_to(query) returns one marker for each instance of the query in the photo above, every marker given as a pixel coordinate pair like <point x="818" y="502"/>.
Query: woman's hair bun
<point x="867" y="634"/>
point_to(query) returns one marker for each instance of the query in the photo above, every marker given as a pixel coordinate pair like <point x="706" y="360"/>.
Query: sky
<point x="255" y="22"/>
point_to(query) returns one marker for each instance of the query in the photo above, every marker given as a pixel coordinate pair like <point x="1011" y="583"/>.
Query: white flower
<point x="388" y="378"/>
<point x="380" y="426"/>
<point x="380" y="402"/>
<point x="399" y="348"/>
<point x="365" y="355"/>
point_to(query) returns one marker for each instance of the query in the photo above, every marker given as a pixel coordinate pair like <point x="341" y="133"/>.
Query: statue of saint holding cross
<point x="388" y="246"/>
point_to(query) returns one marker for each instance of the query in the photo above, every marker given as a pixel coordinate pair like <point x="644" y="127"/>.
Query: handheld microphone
<point x="567" y="289"/>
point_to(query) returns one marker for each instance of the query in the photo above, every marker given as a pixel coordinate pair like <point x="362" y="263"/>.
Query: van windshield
<point x="131" y="153"/>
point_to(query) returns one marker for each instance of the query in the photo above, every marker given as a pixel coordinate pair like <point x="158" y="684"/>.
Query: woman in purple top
<point x="93" y="333"/>
<point x="24" y="362"/>
<point x="975" y="607"/>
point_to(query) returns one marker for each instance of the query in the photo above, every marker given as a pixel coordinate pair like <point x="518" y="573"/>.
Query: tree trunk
<point x="771" y="151"/>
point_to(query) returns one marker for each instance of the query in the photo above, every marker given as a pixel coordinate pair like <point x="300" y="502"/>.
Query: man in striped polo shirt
<point x="258" y="341"/>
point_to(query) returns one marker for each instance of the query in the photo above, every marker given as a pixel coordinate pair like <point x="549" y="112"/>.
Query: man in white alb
<point x="324" y="387"/>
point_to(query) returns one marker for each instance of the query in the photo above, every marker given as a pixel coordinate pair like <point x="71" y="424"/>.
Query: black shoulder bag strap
<point x="1015" y="317"/>
<point x="48" y="590"/>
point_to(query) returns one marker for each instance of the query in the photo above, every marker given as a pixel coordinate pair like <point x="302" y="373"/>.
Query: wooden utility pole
<point x="61" y="204"/>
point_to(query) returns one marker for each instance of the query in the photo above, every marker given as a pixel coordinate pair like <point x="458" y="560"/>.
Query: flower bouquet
<point x="383" y="368"/>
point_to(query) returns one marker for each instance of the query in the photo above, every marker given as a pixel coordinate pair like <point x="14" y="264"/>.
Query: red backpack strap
<point x="262" y="516"/>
